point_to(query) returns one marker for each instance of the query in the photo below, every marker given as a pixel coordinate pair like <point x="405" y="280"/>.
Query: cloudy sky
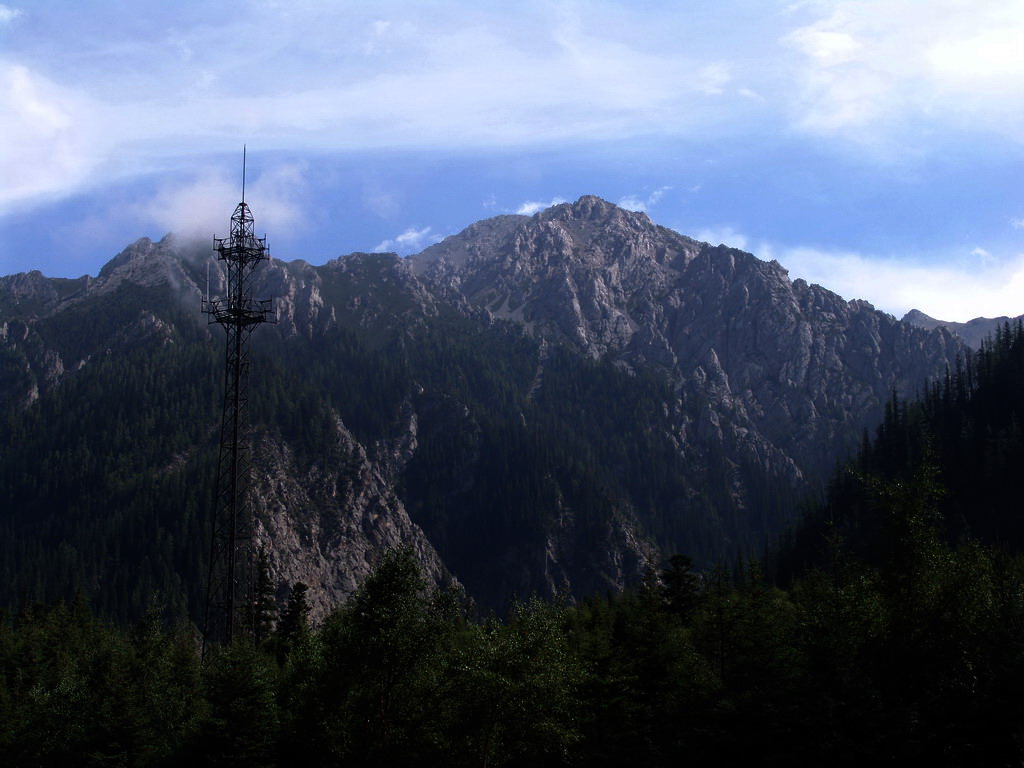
<point x="873" y="146"/>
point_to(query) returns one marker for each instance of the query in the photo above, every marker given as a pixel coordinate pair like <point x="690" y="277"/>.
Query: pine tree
<point x="294" y="623"/>
<point x="243" y="722"/>
<point x="681" y="586"/>
<point x="263" y="605"/>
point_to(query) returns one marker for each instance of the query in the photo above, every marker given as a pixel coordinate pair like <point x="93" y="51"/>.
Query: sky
<point x="875" y="147"/>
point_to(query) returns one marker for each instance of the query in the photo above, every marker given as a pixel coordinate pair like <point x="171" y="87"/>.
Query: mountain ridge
<point x="973" y="332"/>
<point x="625" y="287"/>
<point x="468" y="400"/>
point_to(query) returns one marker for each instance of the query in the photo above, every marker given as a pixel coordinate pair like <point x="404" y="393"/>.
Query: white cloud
<point x="201" y="208"/>
<point x="713" y="78"/>
<point x="531" y="207"/>
<point x="992" y="54"/>
<point x="949" y="291"/>
<point x="632" y="203"/>
<point x="722" y="236"/>
<point x="411" y="240"/>
<point x="828" y="48"/>
<point x="984" y="257"/>
<point x="8" y="14"/>
<point x="878" y="71"/>
<point x="657" y="194"/>
<point x="450" y="79"/>
<point x="48" y="140"/>
<point x="643" y="204"/>
<point x="81" y="110"/>
<point x="1017" y="223"/>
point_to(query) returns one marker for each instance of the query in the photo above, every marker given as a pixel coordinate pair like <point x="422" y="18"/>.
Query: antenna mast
<point x="229" y="581"/>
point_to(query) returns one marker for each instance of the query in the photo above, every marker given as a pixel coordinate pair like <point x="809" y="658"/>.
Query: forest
<point x="888" y="626"/>
<point x="105" y="479"/>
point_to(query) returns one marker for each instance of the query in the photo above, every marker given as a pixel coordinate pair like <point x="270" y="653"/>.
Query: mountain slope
<point x="939" y="468"/>
<point x="535" y="404"/>
<point x="793" y="370"/>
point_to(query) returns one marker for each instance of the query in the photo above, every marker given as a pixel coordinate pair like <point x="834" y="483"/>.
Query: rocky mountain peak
<point x="144" y="254"/>
<point x="140" y="249"/>
<point x="788" y="364"/>
<point x="592" y="230"/>
<point x="921" y="320"/>
<point x="592" y="226"/>
<point x="147" y="264"/>
<point x="593" y="209"/>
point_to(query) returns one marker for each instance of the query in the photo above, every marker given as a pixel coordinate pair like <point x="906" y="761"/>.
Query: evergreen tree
<point x="262" y="608"/>
<point x="242" y="726"/>
<point x="681" y="586"/>
<point x="294" y="623"/>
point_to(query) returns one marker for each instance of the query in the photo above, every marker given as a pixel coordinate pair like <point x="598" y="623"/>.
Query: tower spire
<point x="231" y="557"/>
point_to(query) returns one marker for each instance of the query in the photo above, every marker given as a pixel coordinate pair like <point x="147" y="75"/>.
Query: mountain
<point x="539" y="404"/>
<point x="791" y="370"/>
<point x="973" y="332"/>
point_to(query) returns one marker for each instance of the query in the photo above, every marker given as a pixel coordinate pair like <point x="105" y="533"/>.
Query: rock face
<point x="327" y="526"/>
<point x="28" y="288"/>
<point x="791" y="372"/>
<point x="972" y="333"/>
<point x="770" y="382"/>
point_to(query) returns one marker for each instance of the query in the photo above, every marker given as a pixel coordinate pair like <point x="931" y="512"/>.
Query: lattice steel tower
<point x="231" y="556"/>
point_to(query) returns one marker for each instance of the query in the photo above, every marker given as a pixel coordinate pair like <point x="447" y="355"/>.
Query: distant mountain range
<point x="544" y="404"/>
<point x="973" y="332"/>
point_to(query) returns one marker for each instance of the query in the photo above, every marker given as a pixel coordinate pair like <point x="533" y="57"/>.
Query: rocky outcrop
<point x="327" y="526"/>
<point x="27" y="289"/>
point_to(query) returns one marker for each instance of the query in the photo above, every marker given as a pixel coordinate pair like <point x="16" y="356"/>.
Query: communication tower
<point x="229" y="581"/>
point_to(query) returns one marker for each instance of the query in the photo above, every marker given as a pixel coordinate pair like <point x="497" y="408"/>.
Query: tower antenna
<point x="229" y="581"/>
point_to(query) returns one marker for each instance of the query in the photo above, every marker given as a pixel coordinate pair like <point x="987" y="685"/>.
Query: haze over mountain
<point x="544" y="403"/>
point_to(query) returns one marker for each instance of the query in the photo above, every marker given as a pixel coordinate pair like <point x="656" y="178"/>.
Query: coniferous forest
<point x="105" y="480"/>
<point x="887" y="626"/>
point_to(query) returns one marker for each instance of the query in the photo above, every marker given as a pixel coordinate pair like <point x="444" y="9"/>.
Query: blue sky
<point x="873" y="146"/>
